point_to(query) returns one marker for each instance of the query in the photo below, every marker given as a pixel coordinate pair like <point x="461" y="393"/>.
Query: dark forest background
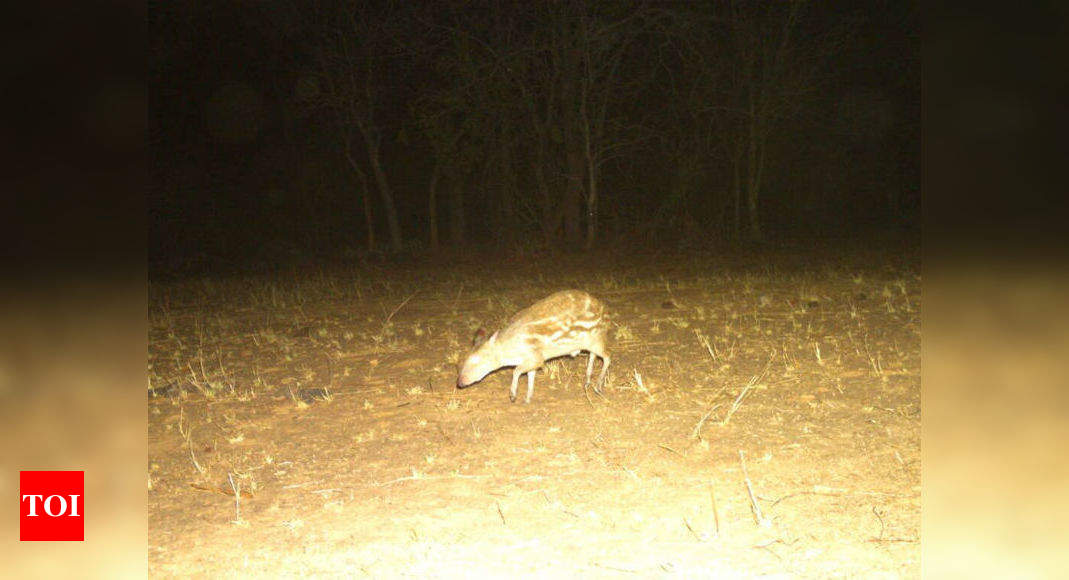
<point x="285" y="131"/>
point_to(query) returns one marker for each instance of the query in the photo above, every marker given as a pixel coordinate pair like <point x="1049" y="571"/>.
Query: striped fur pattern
<point x="564" y="323"/>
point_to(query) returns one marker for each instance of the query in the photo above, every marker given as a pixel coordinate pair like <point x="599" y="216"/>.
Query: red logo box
<point x="52" y="506"/>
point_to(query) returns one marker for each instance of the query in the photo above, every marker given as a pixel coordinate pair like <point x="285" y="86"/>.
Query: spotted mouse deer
<point x="565" y="323"/>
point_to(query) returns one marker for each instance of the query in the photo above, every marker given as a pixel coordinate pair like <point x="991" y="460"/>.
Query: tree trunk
<point x="549" y="220"/>
<point x="753" y="184"/>
<point x="365" y="195"/>
<point x="432" y="206"/>
<point x="506" y="194"/>
<point x="369" y="221"/>
<point x="456" y="213"/>
<point x="573" y="199"/>
<point x="571" y="133"/>
<point x="736" y="189"/>
<point x="591" y="207"/>
<point x="385" y="192"/>
<point x="759" y="178"/>
<point x="591" y="186"/>
<point x="755" y="222"/>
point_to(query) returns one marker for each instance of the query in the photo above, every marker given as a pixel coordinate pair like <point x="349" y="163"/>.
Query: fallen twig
<point x="759" y="518"/>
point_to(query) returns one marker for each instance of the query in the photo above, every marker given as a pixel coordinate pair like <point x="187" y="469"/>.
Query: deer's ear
<point x="479" y="338"/>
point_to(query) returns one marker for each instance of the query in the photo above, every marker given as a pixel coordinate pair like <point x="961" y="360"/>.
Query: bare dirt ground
<point x="761" y="418"/>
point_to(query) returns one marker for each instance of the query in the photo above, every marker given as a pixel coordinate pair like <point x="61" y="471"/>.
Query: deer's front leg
<point x="530" y="385"/>
<point x="515" y="378"/>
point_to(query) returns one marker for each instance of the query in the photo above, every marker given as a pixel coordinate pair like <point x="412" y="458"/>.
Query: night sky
<point x="279" y="131"/>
